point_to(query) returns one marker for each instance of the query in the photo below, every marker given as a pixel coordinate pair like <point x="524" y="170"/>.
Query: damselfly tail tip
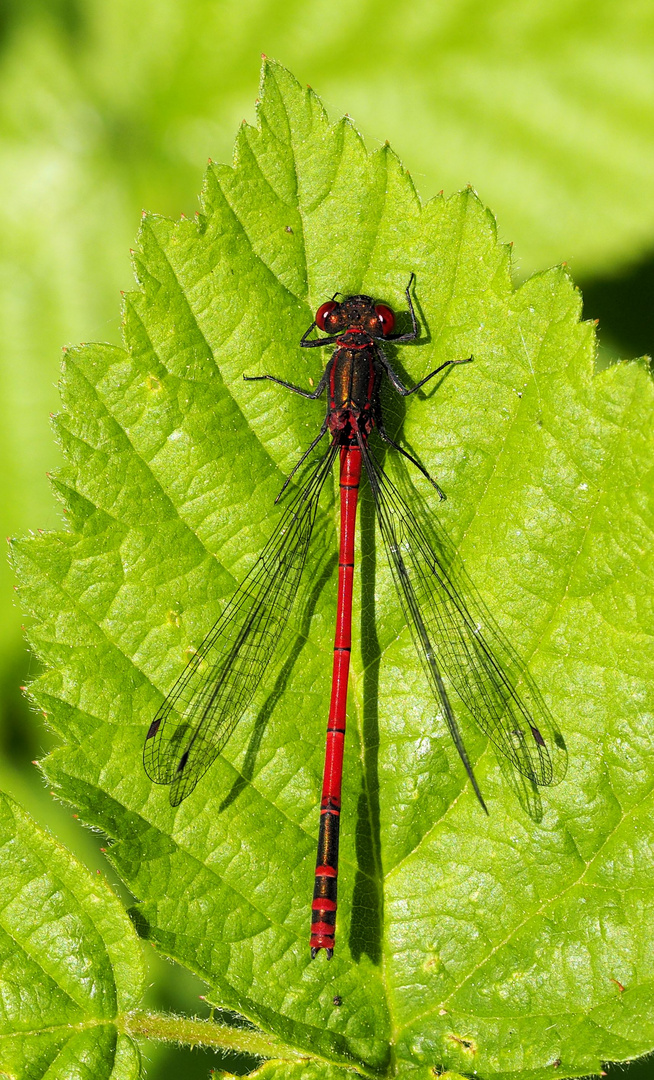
<point x="315" y="949"/>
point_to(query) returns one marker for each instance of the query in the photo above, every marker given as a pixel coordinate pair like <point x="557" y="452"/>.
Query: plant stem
<point x="190" y="1031"/>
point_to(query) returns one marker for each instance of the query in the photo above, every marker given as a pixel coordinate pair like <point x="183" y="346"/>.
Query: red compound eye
<point x="323" y="311"/>
<point x="386" y="317"/>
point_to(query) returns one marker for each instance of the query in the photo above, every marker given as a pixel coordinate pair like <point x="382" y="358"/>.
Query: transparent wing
<point x="212" y="693"/>
<point x="504" y="702"/>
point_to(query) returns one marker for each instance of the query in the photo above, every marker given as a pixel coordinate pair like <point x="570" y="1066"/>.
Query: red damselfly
<point x="205" y="704"/>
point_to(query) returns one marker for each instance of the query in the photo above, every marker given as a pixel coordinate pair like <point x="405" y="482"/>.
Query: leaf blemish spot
<point x="469" y="1046"/>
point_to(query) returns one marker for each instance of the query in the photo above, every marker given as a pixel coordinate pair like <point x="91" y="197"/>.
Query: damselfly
<point x="205" y="704"/>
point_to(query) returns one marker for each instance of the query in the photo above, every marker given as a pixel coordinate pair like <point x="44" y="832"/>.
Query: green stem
<point x="189" y="1031"/>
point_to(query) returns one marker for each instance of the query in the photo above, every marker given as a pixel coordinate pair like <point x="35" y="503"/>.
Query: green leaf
<point x="61" y="206"/>
<point x="545" y="108"/>
<point x="497" y="946"/>
<point x="73" y="973"/>
<point x="71" y="962"/>
<point x="273" y="1070"/>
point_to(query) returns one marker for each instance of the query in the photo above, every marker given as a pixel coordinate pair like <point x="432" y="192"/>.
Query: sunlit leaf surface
<point x="71" y="962"/>
<point x="500" y="945"/>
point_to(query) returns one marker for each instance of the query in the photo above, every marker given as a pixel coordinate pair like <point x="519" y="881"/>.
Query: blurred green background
<point x="545" y="106"/>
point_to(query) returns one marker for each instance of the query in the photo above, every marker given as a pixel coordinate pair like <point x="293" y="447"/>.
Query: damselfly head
<point x="355" y="314"/>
